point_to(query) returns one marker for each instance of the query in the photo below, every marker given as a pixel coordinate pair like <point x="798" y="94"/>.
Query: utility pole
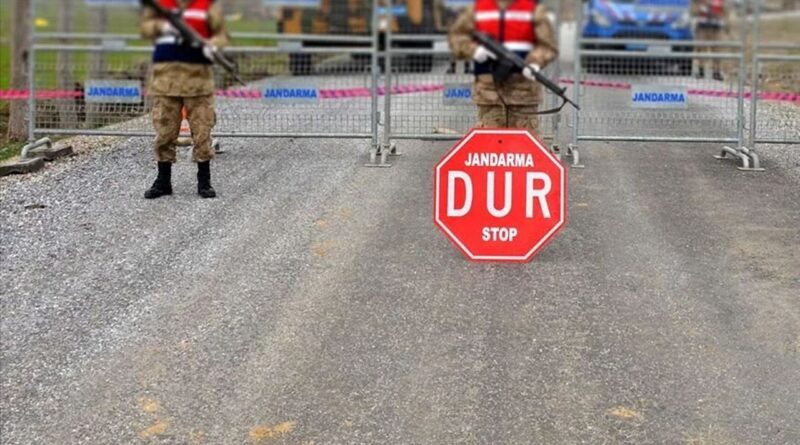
<point x="20" y="50"/>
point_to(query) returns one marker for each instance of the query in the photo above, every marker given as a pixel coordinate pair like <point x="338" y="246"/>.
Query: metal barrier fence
<point x="386" y="87"/>
<point x="297" y="85"/>
<point x="775" y="72"/>
<point x="438" y="104"/>
<point x="776" y="121"/>
<point x="660" y="90"/>
<point x="333" y="98"/>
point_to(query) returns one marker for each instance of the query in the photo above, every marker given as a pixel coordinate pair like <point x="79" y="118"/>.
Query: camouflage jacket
<point x="517" y="90"/>
<point x="701" y="15"/>
<point x="177" y="78"/>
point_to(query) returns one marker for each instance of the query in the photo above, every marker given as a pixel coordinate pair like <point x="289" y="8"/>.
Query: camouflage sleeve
<point x="546" y="49"/>
<point x="150" y="23"/>
<point x="460" y="36"/>
<point x="216" y="21"/>
<point x="731" y="13"/>
<point x="695" y="8"/>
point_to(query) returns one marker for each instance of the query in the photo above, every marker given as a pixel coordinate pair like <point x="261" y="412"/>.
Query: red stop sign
<point x="500" y="195"/>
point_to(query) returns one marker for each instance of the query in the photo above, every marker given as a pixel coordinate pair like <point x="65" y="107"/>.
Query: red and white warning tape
<point x="349" y="93"/>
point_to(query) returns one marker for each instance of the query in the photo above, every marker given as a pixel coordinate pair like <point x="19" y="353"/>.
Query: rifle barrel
<point x="502" y="52"/>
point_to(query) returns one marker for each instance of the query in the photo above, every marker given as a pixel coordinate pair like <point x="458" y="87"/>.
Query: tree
<point x="97" y="66"/>
<point x="66" y="107"/>
<point x="20" y="52"/>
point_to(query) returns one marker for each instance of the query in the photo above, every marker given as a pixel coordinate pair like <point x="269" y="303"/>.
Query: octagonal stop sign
<point x="500" y="195"/>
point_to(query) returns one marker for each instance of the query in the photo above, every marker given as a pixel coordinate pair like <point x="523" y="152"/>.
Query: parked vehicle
<point x="632" y="20"/>
<point x="353" y="17"/>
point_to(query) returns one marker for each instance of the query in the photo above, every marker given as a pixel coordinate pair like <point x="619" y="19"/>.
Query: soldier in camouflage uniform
<point x="522" y="26"/>
<point x="712" y="18"/>
<point x="183" y="77"/>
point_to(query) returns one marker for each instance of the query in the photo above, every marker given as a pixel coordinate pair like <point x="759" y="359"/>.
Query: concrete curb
<point x="33" y="157"/>
<point x="21" y="166"/>
<point x="51" y="153"/>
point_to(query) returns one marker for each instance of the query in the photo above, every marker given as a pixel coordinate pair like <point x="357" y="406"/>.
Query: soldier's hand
<point x="482" y="54"/>
<point x="531" y="70"/>
<point x="166" y="29"/>
<point x="210" y="51"/>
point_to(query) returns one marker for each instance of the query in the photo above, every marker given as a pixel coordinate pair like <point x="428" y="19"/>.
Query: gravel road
<point x="315" y="302"/>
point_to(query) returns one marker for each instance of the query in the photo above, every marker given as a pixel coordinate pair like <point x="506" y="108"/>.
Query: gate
<point x="775" y="91"/>
<point x="366" y="78"/>
<point x="645" y="87"/>
<point x="431" y="97"/>
<point x="297" y="85"/>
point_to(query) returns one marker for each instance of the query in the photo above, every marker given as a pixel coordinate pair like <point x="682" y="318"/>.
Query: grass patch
<point x="5" y="43"/>
<point x="120" y="20"/>
<point x="10" y="150"/>
<point x="7" y="150"/>
<point x="3" y="122"/>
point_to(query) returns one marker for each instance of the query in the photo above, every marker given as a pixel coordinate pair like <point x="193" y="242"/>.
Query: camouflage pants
<point x="167" y="122"/>
<point x="714" y="35"/>
<point x="511" y="116"/>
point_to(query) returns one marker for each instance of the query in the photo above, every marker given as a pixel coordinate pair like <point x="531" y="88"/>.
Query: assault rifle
<point x="508" y="57"/>
<point x="192" y="38"/>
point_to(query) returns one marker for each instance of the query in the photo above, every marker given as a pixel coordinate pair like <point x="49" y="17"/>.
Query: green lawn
<point x="10" y="150"/>
<point x="120" y="21"/>
<point x="5" y="43"/>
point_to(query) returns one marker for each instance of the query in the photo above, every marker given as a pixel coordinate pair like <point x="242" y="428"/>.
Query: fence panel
<point x="432" y="92"/>
<point x="653" y="83"/>
<point x="775" y="88"/>
<point x="777" y="97"/>
<point x="297" y="83"/>
<point x="331" y="98"/>
<point x="312" y="73"/>
<point x="432" y="95"/>
<point x="651" y="93"/>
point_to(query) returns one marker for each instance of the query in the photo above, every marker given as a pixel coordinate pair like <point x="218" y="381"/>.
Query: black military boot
<point x="204" y="188"/>
<point x="163" y="184"/>
<point x="701" y="73"/>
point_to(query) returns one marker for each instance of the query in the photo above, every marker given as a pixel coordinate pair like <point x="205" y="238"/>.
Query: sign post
<point x="499" y="195"/>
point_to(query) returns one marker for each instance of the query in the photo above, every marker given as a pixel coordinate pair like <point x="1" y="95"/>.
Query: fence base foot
<point x="217" y="147"/>
<point x="185" y="142"/>
<point x="375" y="153"/>
<point x="44" y="148"/>
<point x="51" y="153"/>
<point x="741" y="154"/>
<point x="575" y="154"/>
<point x="756" y="165"/>
<point x="32" y="145"/>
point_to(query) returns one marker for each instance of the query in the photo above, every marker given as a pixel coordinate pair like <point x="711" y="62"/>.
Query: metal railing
<point x="388" y="87"/>
<point x="332" y="79"/>
<point x="709" y="77"/>
<point x="772" y="119"/>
